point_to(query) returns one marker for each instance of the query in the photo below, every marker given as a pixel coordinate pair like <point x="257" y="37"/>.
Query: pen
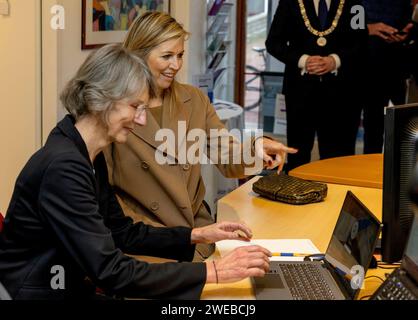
<point x="289" y="254"/>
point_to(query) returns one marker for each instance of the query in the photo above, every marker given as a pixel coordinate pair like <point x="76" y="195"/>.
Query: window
<point x="257" y="8"/>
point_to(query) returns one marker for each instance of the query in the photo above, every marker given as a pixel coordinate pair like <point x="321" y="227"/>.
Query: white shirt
<point x="304" y="58"/>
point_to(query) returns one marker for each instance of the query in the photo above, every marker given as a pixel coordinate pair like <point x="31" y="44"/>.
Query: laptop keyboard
<point x="393" y="289"/>
<point x="305" y="282"/>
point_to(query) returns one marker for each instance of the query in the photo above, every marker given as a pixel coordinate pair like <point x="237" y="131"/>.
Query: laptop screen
<point x="352" y="244"/>
<point x="410" y="260"/>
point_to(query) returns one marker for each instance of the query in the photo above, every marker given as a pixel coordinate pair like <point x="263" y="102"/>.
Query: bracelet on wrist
<point x="216" y="271"/>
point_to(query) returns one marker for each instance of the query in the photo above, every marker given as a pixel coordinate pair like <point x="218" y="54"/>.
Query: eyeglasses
<point x="141" y="108"/>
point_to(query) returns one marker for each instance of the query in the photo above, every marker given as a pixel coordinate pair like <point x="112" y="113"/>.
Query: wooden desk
<point x="272" y="220"/>
<point x="360" y="170"/>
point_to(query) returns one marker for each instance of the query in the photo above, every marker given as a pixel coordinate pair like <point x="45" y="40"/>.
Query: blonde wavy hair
<point x="150" y="30"/>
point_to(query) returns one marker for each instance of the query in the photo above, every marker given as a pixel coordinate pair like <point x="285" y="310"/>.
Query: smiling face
<point x="165" y="61"/>
<point x="123" y="116"/>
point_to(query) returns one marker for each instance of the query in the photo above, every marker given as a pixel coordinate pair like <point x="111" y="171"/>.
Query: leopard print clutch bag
<point x="284" y="188"/>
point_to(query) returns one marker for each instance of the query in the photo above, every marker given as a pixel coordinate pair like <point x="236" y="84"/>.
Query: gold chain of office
<point x="322" y="41"/>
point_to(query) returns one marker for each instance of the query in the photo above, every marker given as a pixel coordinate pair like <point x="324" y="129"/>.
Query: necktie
<point x="322" y="13"/>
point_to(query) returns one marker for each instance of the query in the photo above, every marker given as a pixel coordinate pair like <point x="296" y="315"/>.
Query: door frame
<point x="240" y="54"/>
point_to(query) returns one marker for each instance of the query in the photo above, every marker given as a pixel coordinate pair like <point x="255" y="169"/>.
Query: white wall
<point x="30" y="80"/>
<point x="70" y="55"/>
<point x="20" y="125"/>
<point x="62" y="56"/>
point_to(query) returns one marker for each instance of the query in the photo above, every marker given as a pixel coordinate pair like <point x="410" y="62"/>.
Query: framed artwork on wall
<point x="107" y="21"/>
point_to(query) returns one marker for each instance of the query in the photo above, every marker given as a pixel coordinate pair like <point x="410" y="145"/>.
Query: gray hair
<point x="108" y="75"/>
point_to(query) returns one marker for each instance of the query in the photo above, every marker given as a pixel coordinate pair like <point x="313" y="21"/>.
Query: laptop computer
<point x="402" y="284"/>
<point x="340" y="274"/>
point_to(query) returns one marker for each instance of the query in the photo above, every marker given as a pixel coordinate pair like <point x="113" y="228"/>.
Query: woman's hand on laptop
<point x="243" y="262"/>
<point x="221" y="231"/>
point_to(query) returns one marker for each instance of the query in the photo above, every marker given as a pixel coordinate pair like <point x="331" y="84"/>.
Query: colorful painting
<point x="107" y="21"/>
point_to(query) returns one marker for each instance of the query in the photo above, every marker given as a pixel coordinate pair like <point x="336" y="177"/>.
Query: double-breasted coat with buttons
<point x="169" y="194"/>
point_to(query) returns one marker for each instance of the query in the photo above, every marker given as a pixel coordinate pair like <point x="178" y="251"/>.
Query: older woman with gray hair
<point x="65" y="233"/>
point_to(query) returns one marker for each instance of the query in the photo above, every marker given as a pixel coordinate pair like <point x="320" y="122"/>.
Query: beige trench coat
<point x="170" y="194"/>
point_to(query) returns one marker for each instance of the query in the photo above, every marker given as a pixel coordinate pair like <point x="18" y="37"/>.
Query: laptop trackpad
<point x="270" y="281"/>
<point x="271" y="287"/>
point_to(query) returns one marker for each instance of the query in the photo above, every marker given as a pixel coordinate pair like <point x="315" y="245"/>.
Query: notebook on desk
<point x="340" y="274"/>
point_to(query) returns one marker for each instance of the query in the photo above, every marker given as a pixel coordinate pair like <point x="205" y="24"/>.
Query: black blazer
<point x="63" y="212"/>
<point x="289" y="39"/>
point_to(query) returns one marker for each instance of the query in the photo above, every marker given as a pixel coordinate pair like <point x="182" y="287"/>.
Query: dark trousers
<point x="325" y="109"/>
<point x="386" y="82"/>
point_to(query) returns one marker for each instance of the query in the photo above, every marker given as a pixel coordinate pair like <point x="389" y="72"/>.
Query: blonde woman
<point x="174" y="192"/>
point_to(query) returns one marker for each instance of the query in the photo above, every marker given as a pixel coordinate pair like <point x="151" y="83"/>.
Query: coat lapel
<point x="332" y="12"/>
<point x="148" y="132"/>
<point x="176" y="117"/>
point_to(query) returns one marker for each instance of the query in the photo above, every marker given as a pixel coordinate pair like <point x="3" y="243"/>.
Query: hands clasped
<point x="319" y="66"/>
<point x="388" y="33"/>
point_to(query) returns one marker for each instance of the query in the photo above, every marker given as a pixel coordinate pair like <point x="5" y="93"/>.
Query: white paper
<point x="303" y="246"/>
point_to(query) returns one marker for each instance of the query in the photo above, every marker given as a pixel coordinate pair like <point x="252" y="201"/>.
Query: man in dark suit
<point x="388" y="22"/>
<point x="322" y="54"/>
